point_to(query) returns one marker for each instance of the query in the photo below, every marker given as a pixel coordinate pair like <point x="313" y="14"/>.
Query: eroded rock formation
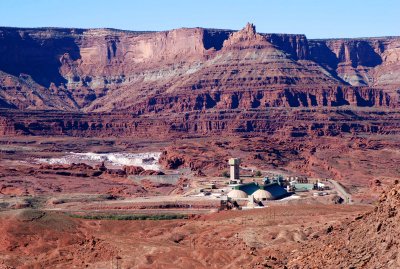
<point x="109" y="82"/>
<point x="369" y="241"/>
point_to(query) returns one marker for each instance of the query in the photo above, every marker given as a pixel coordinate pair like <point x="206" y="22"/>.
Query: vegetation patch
<point x="131" y="217"/>
<point x="35" y="202"/>
<point x="4" y="205"/>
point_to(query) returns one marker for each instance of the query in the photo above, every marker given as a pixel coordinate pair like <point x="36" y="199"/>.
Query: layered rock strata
<point x="187" y="80"/>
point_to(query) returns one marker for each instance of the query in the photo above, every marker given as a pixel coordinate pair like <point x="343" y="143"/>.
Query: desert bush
<point x="131" y="217"/>
<point x="225" y="174"/>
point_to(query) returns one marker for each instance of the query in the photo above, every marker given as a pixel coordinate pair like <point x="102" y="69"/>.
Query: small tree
<point x="225" y="174"/>
<point x="258" y="174"/>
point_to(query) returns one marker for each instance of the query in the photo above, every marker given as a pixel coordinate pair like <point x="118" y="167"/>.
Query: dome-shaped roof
<point x="237" y="194"/>
<point x="262" y="195"/>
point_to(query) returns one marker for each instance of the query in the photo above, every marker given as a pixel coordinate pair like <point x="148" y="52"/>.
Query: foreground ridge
<point x="369" y="241"/>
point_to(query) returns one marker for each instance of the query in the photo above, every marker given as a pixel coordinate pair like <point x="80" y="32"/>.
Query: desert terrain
<point x="114" y="149"/>
<point x="84" y="215"/>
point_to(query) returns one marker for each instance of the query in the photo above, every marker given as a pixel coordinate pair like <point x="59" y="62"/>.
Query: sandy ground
<point x="37" y="231"/>
<point x="231" y="239"/>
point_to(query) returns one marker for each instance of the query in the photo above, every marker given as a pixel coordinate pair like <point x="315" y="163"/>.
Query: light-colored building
<point x="262" y="195"/>
<point x="234" y="168"/>
<point x="237" y="194"/>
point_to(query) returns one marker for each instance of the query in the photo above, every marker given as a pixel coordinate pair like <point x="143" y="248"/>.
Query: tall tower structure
<point x="234" y="168"/>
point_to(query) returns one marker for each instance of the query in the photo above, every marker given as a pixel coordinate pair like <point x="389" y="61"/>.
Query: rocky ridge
<point x="369" y="241"/>
<point x="85" y="69"/>
<point x="195" y="80"/>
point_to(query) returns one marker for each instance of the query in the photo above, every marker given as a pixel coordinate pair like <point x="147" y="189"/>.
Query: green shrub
<point x="35" y="202"/>
<point x="258" y="174"/>
<point x="131" y="217"/>
<point x="225" y="174"/>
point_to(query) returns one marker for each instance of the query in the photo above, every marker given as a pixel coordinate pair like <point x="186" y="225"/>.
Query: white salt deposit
<point x="147" y="160"/>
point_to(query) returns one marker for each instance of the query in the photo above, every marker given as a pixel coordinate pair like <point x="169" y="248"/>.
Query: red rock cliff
<point x="185" y="71"/>
<point x="367" y="61"/>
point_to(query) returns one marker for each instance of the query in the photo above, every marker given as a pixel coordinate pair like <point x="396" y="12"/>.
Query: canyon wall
<point x="366" y="61"/>
<point x="265" y="99"/>
<point x="279" y="122"/>
<point x="83" y="80"/>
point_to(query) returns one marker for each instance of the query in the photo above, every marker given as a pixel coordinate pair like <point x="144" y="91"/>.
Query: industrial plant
<point x="250" y="192"/>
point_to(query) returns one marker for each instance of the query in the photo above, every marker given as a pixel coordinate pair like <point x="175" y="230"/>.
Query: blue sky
<point x="315" y="18"/>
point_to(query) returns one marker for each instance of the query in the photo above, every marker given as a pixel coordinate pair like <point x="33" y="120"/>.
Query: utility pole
<point x="118" y="258"/>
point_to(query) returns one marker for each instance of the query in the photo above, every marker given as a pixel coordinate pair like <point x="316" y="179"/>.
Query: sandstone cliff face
<point x="372" y="62"/>
<point x="250" y="72"/>
<point x="265" y="99"/>
<point x="184" y="72"/>
<point x="89" y="63"/>
<point x="294" y="45"/>
<point x="77" y="66"/>
<point x="280" y="122"/>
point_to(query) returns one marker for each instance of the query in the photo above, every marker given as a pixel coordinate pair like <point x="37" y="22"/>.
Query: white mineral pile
<point x="147" y="160"/>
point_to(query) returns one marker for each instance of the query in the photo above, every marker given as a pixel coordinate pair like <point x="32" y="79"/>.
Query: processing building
<point x="261" y="192"/>
<point x="269" y="190"/>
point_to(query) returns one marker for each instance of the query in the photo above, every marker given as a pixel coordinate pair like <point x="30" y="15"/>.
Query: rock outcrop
<point x="369" y="241"/>
<point x="105" y="81"/>
<point x="360" y="62"/>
